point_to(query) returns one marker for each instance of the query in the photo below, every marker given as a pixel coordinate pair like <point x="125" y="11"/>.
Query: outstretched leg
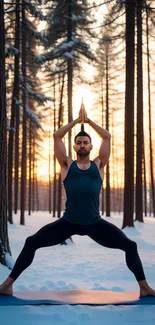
<point x="49" y="235"/>
<point x="108" y="235"/>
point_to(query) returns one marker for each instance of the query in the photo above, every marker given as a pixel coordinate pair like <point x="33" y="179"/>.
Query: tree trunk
<point x="60" y="195"/>
<point x="144" y="180"/>
<point x="114" y="164"/>
<point x="4" y="241"/>
<point x="23" y="162"/>
<point x="139" y="185"/>
<point x="33" y="175"/>
<point x="70" y="77"/>
<point x="15" y="97"/>
<point x="37" y="190"/>
<point x="129" y="116"/>
<point x="107" y="128"/>
<point x="60" y="123"/>
<point x="30" y="164"/>
<point x="102" y="105"/>
<point x="17" y="118"/>
<point x="54" y="160"/>
<point x="49" y="176"/>
<point x="150" y="117"/>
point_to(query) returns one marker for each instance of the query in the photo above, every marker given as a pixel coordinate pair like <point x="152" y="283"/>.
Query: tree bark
<point x="144" y="180"/>
<point x="107" y="128"/>
<point x="49" y="176"/>
<point x="150" y="118"/>
<point x="140" y="134"/>
<point x="70" y="78"/>
<point x="17" y="120"/>
<point x="33" y="173"/>
<point x="23" y="162"/>
<point x="15" y="97"/>
<point x="102" y="105"/>
<point x="30" y="165"/>
<point x="60" y="123"/>
<point x="4" y="240"/>
<point x="129" y="116"/>
<point x="54" y="159"/>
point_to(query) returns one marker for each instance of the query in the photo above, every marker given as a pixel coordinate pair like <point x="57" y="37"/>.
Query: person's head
<point x="82" y="144"/>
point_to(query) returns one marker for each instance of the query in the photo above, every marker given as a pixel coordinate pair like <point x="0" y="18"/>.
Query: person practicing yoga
<point x="82" y="180"/>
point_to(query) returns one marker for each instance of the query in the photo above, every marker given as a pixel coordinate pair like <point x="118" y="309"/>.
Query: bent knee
<point x="30" y="241"/>
<point x="132" y="245"/>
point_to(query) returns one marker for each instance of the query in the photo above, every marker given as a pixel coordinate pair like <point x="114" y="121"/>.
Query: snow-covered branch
<point x="33" y="117"/>
<point x="39" y="97"/>
<point x="11" y="51"/>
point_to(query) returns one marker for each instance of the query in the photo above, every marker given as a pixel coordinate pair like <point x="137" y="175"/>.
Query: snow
<point x="41" y="98"/>
<point x="64" y="46"/>
<point x="77" y="18"/>
<point x="11" y="50"/>
<point x="83" y="264"/>
<point x="33" y="117"/>
<point x="40" y="58"/>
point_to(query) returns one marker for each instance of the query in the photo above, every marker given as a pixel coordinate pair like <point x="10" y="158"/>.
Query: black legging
<point x="103" y="232"/>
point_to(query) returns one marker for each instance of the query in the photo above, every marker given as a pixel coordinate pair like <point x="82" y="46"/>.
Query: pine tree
<point x="4" y="241"/>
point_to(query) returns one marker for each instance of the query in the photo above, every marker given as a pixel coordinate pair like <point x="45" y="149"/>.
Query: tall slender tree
<point x="140" y="134"/>
<point x="24" y="142"/>
<point x="30" y="166"/>
<point x="60" y="123"/>
<point x="14" y="114"/>
<point x="49" y="176"/>
<point x="129" y="116"/>
<point x="70" y="75"/>
<point x="54" y="159"/>
<point x="4" y="241"/>
<point x="107" y="41"/>
<point x="150" y="116"/>
<point x="144" y="179"/>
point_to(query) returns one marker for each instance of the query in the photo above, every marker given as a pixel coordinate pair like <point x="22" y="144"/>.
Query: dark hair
<point x="82" y="134"/>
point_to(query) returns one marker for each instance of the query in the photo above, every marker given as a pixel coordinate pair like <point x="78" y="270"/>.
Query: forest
<point x="54" y="57"/>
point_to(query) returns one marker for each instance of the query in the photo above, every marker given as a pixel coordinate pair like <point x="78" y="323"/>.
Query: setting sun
<point x="82" y="93"/>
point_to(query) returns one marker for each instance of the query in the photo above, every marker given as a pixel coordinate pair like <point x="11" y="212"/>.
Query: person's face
<point x="82" y="146"/>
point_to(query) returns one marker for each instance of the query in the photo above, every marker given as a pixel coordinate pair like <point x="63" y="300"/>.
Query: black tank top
<point x="82" y="191"/>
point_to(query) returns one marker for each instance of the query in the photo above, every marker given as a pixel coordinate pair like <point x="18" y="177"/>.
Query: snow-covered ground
<point x="83" y="264"/>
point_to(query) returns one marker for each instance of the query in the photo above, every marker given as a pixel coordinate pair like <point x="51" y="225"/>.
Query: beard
<point x="83" y="153"/>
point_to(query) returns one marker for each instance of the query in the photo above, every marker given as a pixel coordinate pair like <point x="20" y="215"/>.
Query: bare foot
<point x="147" y="292"/>
<point x="4" y="290"/>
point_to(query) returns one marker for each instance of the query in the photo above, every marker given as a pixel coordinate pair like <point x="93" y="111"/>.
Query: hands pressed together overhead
<point x="83" y="115"/>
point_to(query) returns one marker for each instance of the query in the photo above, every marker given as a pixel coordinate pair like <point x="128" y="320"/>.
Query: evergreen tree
<point x="4" y="241"/>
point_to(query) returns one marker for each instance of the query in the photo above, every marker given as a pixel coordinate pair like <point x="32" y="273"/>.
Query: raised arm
<point x="59" y="147"/>
<point x="104" y="151"/>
